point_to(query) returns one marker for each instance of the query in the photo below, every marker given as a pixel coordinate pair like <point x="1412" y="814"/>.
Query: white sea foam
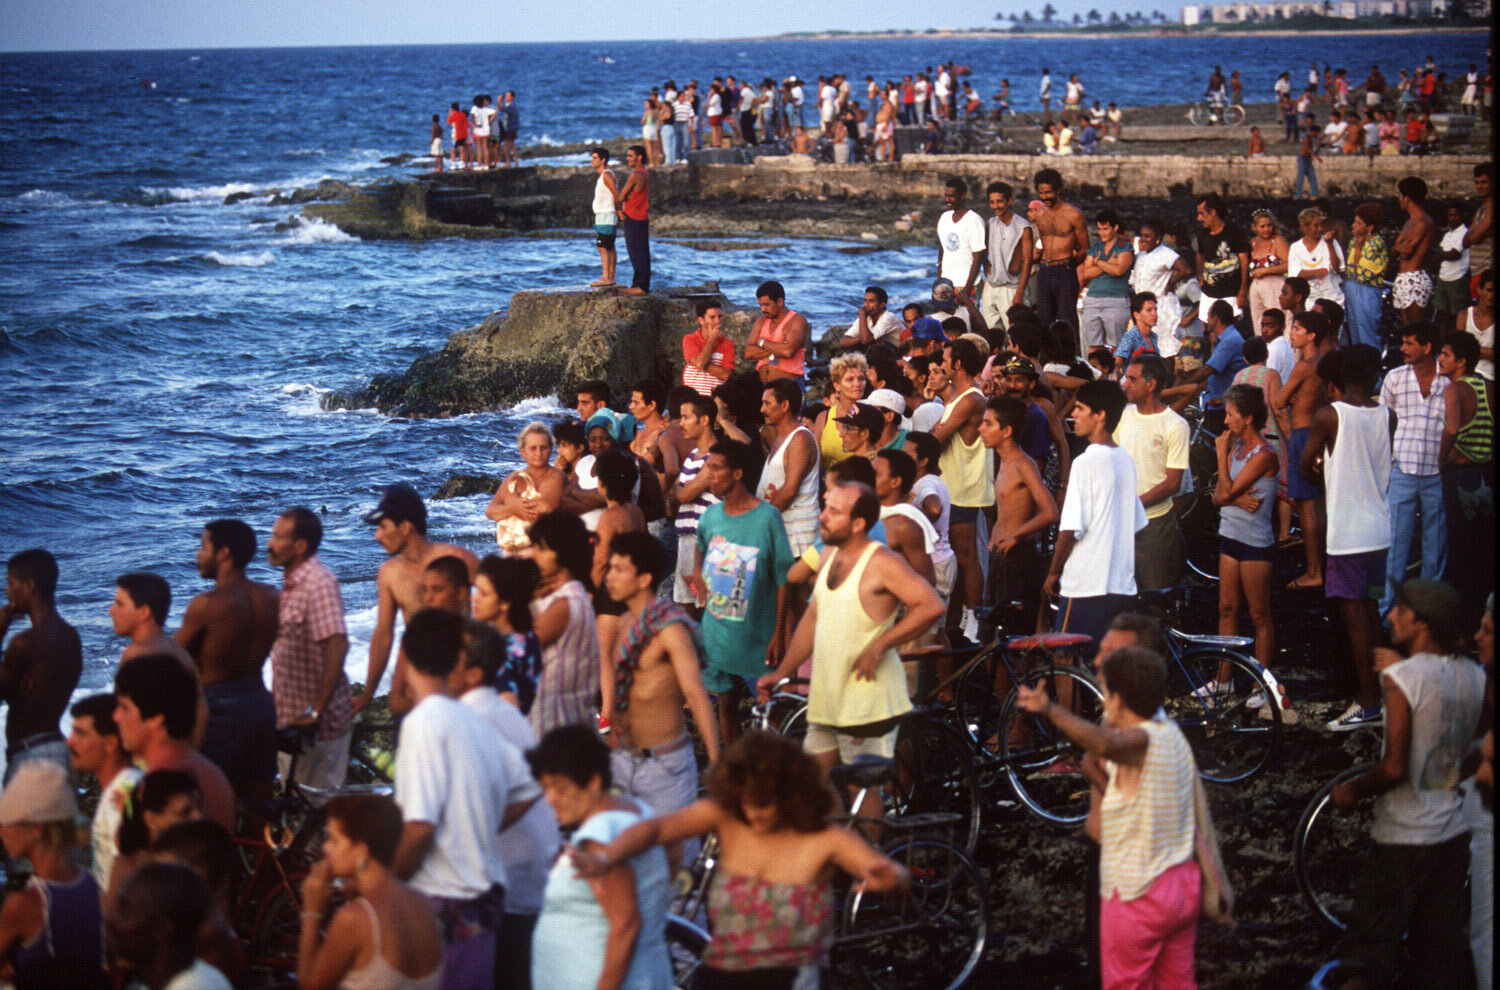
<point x="44" y="197"/>
<point x="189" y="194"/>
<point x="317" y="231"/>
<point x="546" y="405"/>
<point x="305" y="398"/>
<point x="258" y="260"/>
<point x="912" y="273"/>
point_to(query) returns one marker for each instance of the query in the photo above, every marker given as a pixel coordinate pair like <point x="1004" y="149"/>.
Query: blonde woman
<point x="1318" y="258"/>
<point x="1268" y="254"/>
<point x="847" y="382"/>
<point x="528" y="494"/>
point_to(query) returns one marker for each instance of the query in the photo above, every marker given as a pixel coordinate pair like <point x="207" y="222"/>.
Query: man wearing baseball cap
<point x="860" y="429"/>
<point x="893" y="410"/>
<point x="927" y="336"/>
<point x="400" y="522"/>
<point x="1412" y="885"/>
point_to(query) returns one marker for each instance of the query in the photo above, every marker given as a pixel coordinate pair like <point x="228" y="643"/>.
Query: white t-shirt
<point x="107" y="823"/>
<point x="453" y="772"/>
<point x="1004" y="239"/>
<point x="829" y="97"/>
<point x="1156" y="444"/>
<point x="886" y="324"/>
<point x="199" y="976"/>
<point x="480" y="118"/>
<point x="747" y="97"/>
<point x="1151" y="272"/>
<point x="932" y="484"/>
<point x="529" y="846"/>
<point x="960" y="240"/>
<point x="715" y="105"/>
<point x="1329" y="286"/>
<point x="1452" y="271"/>
<point x="796" y="96"/>
<point x="1104" y="512"/>
<point x="940" y="88"/>
<point x="919" y="90"/>
<point x="926" y="416"/>
<point x="1333" y="134"/>
<point x="1280" y="357"/>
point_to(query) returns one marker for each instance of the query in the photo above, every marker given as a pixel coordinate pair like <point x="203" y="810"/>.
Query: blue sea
<point x="162" y="353"/>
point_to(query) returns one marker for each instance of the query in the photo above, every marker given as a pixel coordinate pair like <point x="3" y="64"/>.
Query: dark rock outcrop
<point x="546" y="344"/>
<point x="461" y="485"/>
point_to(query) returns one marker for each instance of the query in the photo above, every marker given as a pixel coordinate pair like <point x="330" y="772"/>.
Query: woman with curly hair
<point x="528" y="493"/>
<point x="847" y="384"/>
<point x="770" y="902"/>
<point x="565" y="622"/>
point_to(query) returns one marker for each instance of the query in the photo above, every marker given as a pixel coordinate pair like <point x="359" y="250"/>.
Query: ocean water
<point x="162" y="353"/>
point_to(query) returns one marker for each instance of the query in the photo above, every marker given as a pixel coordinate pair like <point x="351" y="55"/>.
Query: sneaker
<point x="1355" y="717"/>
<point x="1257" y="700"/>
<point x="1213" y="688"/>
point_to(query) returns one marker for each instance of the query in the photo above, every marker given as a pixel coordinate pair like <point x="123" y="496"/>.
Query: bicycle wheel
<point x="277" y="930"/>
<point x="1234" y="115"/>
<point x="935" y="772"/>
<point x="685" y="945"/>
<point x="788" y="715"/>
<point x="929" y="938"/>
<point x="1324" y="852"/>
<point x="1199" y="517"/>
<point x="1231" y="741"/>
<point x="1196" y="114"/>
<point x="976" y="710"/>
<point x="1043" y="765"/>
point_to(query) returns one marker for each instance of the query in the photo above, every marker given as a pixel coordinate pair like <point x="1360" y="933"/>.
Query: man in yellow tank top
<point x="851" y="633"/>
<point x="968" y="468"/>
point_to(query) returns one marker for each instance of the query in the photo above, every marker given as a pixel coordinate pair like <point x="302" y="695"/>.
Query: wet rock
<point x="546" y="344"/>
<point x="236" y="197"/>
<point x="461" y="485"/>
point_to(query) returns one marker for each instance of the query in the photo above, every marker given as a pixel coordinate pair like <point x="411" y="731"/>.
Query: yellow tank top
<point x="968" y="469"/>
<point x="835" y="697"/>
<point x="831" y="443"/>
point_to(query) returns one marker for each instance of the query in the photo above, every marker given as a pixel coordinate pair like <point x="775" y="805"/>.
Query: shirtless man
<point x="1023" y="507"/>
<point x="648" y="403"/>
<point x="445" y="585"/>
<point x="966" y="468"/>
<point x="41" y="665"/>
<point x="139" y="612"/>
<point x="1412" y="291"/>
<point x="1298" y="401"/>
<point x="1065" y="240"/>
<point x="654" y="671"/>
<point x="400" y="522"/>
<point x="778" y="341"/>
<point x="904" y="523"/>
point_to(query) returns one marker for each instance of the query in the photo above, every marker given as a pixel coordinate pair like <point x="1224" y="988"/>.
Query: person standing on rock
<point x="1065" y="239"/>
<point x="605" y="217"/>
<point x="510" y="115"/>
<point x="634" y="204"/>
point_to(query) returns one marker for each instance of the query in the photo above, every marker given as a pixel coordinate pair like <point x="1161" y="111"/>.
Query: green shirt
<point x="745" y="559"/>
<point x="1109" y="286"/>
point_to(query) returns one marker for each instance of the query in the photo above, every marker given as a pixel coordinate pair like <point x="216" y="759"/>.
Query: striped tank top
<point x="689" y="513"/>
<point x="1476" y="440"/>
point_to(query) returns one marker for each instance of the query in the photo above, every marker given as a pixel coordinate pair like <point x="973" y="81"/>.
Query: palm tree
<point x="1048" y="12"/>
<point x="1094" y="17"/>
<point x="1077" y="20"/>
<point x="1114" y="18"/>
<point x="1026" y="17"/>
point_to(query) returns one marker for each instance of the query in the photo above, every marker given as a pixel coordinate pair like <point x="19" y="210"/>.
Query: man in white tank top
<point x="605" y="218"/>
<point x="851" y="632"/>
<point x="789" y="480"/>
<point x="1350" y="444"/>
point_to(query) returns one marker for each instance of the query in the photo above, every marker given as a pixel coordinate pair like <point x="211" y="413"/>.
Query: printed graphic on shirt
<point x="729" y="571"/>
<point x="1440" y="769"/>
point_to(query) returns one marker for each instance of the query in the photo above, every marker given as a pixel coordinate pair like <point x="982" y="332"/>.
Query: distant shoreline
<point x="1095" y="35"/>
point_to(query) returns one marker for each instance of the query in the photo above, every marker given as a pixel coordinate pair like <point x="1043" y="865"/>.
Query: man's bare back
<point x="229" y="630"/>
<point x="1414" y="242"/>
<point x="1064" y="236"/>
<point x="402" y="577"/>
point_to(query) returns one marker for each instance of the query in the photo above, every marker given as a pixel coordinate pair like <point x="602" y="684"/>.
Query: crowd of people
<point x="482" y="137"/>
<point x="658" y="568"/>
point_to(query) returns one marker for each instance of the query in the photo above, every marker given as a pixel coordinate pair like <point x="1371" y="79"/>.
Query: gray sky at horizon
<point x="76" y="25"/>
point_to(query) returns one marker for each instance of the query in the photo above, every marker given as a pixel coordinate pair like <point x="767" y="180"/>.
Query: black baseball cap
<point x="864" y="417"/>
<point x="399" y="504"/>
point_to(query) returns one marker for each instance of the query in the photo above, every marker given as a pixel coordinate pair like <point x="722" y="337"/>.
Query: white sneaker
<point x="970" y="625"/>
<point x="1257" y="700"/>
<point x="1215" y="689"/>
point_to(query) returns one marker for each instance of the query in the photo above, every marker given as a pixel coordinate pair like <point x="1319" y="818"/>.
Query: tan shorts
<point x="827" y="738"/>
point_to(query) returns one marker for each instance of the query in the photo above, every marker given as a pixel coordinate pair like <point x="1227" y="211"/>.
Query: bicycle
<point x="1207" y="113"/>
<point x="932" y="934"/>
<point x="935" y="772"/>
<point x="1325" y="870"/>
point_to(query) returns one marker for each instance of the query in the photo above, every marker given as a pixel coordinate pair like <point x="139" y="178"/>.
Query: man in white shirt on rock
<point x="1010" y="251"/>
<point x="828" y="97"/>
<point x="960" y="233"/>
<point x="1093" y="565"/>
<point x="873" y="322"/>
<point x="459" y="786"/>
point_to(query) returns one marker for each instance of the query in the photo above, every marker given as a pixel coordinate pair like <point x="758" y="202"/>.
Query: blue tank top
<point x="1250" y="528"/>
<point x="72" y="924"/>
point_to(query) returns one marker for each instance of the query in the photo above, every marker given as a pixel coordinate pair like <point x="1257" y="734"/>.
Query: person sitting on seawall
<point x="386" y="931"/>
<point x="771" y="902"/>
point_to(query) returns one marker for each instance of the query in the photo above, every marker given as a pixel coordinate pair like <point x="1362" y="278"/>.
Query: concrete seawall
<point x="1135" y="176"/>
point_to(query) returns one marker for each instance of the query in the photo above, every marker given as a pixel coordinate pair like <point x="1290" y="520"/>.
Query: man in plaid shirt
<point x="307" y="660"/>
<point x="1414" y="392"/>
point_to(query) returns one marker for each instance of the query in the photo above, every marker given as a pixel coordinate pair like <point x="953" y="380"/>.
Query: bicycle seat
<point x="866" y="771"/>
<point x="1047" y="641"/>
<point x="1206" y="639"/>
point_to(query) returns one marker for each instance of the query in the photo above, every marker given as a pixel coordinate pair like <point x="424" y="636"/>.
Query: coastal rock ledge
<point x="546" y="344"/>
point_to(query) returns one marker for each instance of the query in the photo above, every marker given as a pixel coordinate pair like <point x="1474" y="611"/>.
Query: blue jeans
<point x="1057" y="295"/>
<point x="668" y="144"/>
<point x="683" y="145"/>
<point x="638" y="248"/>
<point x="241" y="734"/>
<point x="1305" y="171"/>
<point x="1410" y="496"/>
<point x="1362" y="311"/>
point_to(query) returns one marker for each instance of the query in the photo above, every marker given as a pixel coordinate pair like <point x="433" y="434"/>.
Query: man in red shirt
<point x="459" y="121"/>
<point x="633" y="205"/>
<point x="707" y="355"/>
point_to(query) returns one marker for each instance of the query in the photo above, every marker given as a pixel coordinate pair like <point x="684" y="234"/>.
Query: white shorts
<point x="437" y="147"/>
<point x="687" y="546"/>
<point x="1206" y="302"/>
<point x="827" y="738"/>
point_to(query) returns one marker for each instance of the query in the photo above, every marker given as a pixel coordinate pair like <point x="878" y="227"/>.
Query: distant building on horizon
<point x="1194" y="15"/>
